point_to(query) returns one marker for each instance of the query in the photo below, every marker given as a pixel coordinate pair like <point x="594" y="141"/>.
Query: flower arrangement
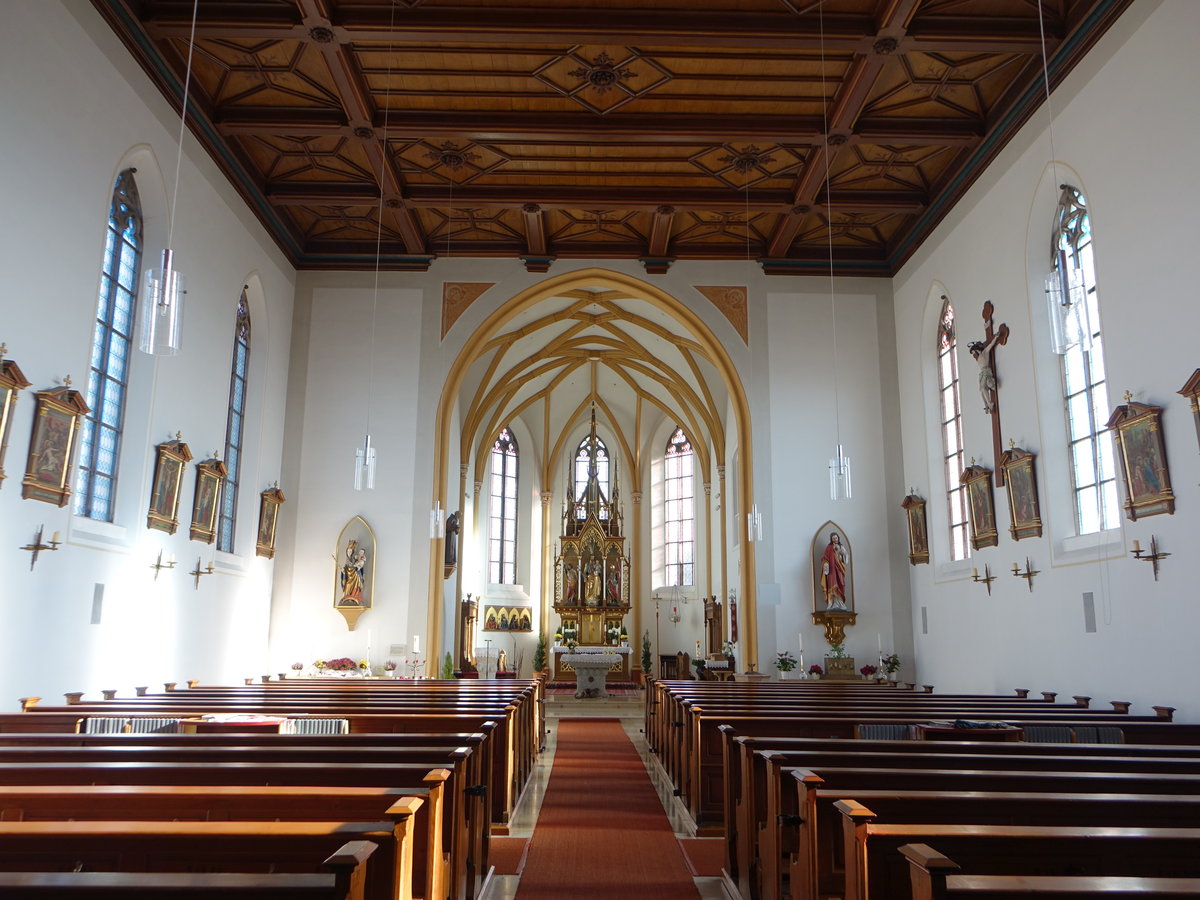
<point x="815" y="669"/>
<point x="890" y="663"/>
<point x="389" y="666"/>
<point x="784" y="661"/>
<point x="868" y="670"/>
<point x="297" y="666"/>
<point x="341" y="664"/>
<point x="838" y="650"/>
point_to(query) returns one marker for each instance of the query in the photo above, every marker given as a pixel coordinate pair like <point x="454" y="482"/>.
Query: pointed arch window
<point x="235" y="424"/>
<point x="108" y="377"/>
<point x="679" y="519"/>
<point x="1085" y="386"/>
<point x="950" y="409"/>
<point x="502" y="511"/>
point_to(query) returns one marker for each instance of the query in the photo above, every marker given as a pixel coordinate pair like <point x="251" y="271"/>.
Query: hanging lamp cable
<point x="187" y="81"/>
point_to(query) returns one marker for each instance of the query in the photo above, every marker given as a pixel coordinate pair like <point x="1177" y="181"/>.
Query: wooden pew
<point x="463" y="872"/>
<point x="876" y="870"/>
<point x="344" y="879"/>
<point x="753" y="779"/>
<point x="932" y="877"/>
<point x="264" y="847"/>
<point x="825" y="785"/>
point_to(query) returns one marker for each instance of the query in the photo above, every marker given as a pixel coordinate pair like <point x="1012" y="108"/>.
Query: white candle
<point x="800" y="641"/>
<point x="416" y="643"/>
<point x="1137" y="546"/>
<point x="54" y="540"/>
<point x="879" y="641"/>
<point x="974" y="573"/>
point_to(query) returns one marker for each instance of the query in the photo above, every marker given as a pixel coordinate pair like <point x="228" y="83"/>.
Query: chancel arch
<point x="602" y="343"/>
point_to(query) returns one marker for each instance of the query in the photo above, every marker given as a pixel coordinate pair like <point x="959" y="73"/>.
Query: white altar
<point x="561" y="670"/>
<point x="591" y="665"/>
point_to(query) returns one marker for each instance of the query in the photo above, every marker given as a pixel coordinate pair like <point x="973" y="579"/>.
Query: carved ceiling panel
<point x="642" y="129"/>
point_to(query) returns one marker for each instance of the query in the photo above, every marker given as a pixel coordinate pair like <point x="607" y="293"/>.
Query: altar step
<point x="614" y="706"/>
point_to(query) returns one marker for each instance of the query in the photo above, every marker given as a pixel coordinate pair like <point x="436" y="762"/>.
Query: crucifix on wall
<point x="984" y="353"/>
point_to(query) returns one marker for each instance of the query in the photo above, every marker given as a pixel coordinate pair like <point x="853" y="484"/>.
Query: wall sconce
<point x="38" y="546"/>
<point x="986" y="580"/>
<point x="199" y="573"/>
<point x="1027" y="574"/>
<point x="1152" y="557"/>
<point x="158" y="565"/>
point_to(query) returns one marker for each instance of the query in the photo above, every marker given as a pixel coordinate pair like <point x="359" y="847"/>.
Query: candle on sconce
<point x="1137" y="546"/>
<point x="54" y="540"/>
<point x="974" y="573"/>
<point x="1016" y="568"/>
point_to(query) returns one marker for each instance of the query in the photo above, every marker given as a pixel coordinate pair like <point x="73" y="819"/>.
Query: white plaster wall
<point x="805" y="412"/>
<point x="1124" y="125"/>
<point x="75" y="79"/>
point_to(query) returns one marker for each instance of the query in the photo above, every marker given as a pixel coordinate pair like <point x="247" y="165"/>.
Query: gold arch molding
<point x="599" y="340"/>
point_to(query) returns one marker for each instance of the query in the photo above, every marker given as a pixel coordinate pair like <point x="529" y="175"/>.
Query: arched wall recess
<point x="494" y="377"/>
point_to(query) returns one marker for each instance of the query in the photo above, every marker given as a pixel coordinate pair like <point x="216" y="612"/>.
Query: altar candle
<point x="800" y="641"/>
<point x="879" y="642"/>
<point x="417" y="644"/>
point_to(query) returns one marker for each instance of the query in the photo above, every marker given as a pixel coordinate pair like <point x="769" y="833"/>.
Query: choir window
<point x="950" y="408"/>
<point x="1085" y="387"/>
<point x="502" y="511"/>
<point x="235" y="424"/>
<point x="680" y="510"/>
<point x="108" y="378"/>
<point x="582" y="459"/>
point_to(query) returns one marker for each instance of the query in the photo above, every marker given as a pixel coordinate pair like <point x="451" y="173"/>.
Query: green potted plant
<point x="539" y="653"/>
<point x="448" y="667"/>
<point x="891" y="665"/>
<point x="786" y="664"/>
<point x="647" y="659"/>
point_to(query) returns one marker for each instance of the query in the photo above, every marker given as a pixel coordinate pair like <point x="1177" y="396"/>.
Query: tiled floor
<point x="629" y="711"/>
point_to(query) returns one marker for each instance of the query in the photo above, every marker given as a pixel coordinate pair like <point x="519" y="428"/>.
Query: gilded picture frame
<point x="12" y="381"/>
<point x="206" y="501"/>
<point x="508" y="618"/>
<point x="982" y="503"/>
<point x="1020" y="483"/>
<point x="1191" y="390"/>
<point x="169" y="460"/>
<point x="918" y="530"/>
<point x="354" y="570"/>
<point x="1142" y="459"/>
<point x="269" y="502"/>
<point x="52" y="447"/>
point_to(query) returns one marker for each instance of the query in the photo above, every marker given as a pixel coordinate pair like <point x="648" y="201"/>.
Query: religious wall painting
<point x="1020" y="481"/>
<point x="918" y="532"/>
<point x="268" y="520"/>
<point x="354" y="570"/>
<point x="1191" y="390"/>
<point x="1142" y="458"/>
<point x="12" y="380"/>
<point x="169" y="459"/>
<point x="977" y="481"/>
<point x="508" y="618"/>
<point x="210" y="477"/>
<point x="52" y="447"/>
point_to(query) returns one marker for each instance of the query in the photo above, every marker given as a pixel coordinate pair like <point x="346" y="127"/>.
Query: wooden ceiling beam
<point x="339" y="194"/>
<point x="359" y="109"/>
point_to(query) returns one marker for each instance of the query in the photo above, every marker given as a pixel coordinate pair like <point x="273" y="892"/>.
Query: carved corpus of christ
<point x="984" y="353"/>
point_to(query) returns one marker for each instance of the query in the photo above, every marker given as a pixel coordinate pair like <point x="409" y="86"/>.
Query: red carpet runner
<point x="602" y="833"/>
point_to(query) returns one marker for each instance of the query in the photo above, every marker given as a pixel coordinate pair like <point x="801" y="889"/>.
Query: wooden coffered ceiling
<point x="654" y="130"/>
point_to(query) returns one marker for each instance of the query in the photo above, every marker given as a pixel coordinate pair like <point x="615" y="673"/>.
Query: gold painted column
<point x="547" y="569"/>
<point x="635" y="579"/>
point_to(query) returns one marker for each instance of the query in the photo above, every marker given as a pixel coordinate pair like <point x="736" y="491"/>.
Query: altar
<point x="619" y="671"/>
<point x="591" y="666"/>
